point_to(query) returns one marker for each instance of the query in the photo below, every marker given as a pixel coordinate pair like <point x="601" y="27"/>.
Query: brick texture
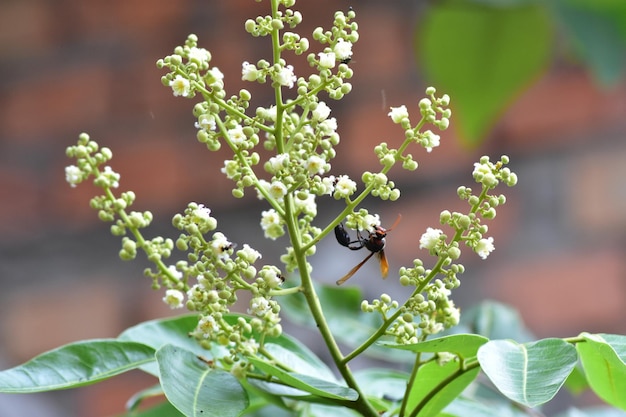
<point x="71" y="66"/>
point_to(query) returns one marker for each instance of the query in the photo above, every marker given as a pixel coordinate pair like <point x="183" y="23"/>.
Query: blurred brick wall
<point x="68" y="66"/>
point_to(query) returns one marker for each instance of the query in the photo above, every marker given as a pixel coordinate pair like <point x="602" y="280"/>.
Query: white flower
<point x="180" y="86"/>
<point x="248" y="71"/>
<point x="111" y="177"/>
<point x="205" y="122"/>
<point x="220" y="245"/>
<point x="343" y="50"/>
<point x="271" y="223"/>
<point x="236" y="135"/>
<point x="483" y="173"/>
<point x="327" y="59"/>
<point x="430" y="140"/>
<point x="277" y="190"/>
<point x="201" y="214"/>
<point x="207" y="325"/>
<point x="264" y="185"/>
<point x="278" y="162"/>
<point x="344" y="187"/>
<point x="369" y="222"/>
<point x="321" y="112"/>
<point x="398" y="114"/>
<point x="329" y="184"/>
<point x="286" y="76"/>
<point x="199" y="55"/>
<point x="328" y="126"/>
<point x="73" y="175"/>
<point x="271" y="276"/>
<point x="484" y="247"/>
<point x="231" y="169"/>
<point x="175" y="272"/>
<point x="315" y="165"/>
<point x="307" y="205"/>
<point x="259" y="306"/>
<point x="430" y="238"/>
<point x="215" y="77"/>
<point x="249" y="254"/>
<point x="174" y="298"/>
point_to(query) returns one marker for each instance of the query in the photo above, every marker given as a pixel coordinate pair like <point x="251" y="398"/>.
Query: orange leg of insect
<point x="356" y="268"/>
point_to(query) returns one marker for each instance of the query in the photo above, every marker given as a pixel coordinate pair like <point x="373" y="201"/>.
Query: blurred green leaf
<point x="495" y="321"/>
<point x="530" y="373"/>
<point x="75" y="365"/>
<point x="576" y="382"/>
<point x="483" y="57"/>
<point x="382" y="383"/>
<point x="603" y="357"/>
<point x="597" y="30"/>
<point x="197" y="390"/>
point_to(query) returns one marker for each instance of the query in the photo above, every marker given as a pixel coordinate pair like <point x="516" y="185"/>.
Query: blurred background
<point x="70" y="66"/>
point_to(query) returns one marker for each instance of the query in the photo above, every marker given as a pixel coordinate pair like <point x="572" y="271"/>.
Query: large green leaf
<point x="464" y="345"/>
<point x="470" y="407"/>
<point x="309" y="384"/>
<point x="603" y="357"/>
<point x="196" y="389"/>
<point x="382" y="383"/>
<point x="437" y="386"/>
<point x="164" y="409"/>
<point x="530" y="373"/>
<point x="483" y="57"/>
<point x="75" y="365"/>
<point x="495" y="321"/>
<point x="597" y="29"/>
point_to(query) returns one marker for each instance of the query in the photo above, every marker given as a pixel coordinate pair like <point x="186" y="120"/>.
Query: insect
<point x="375" y="243"/>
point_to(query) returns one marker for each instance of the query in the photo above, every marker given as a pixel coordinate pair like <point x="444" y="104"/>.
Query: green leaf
<point x="576" y="382"/>
<point x="483" y="57"/>
<point x="469" y="407"/>
<point x="75" y="365"/>
<point x="164" y="409"/>
<point x="592" y="412"/>
<point x="382" y="383"/>
<point x="197" y="390"/>
<point x="437" y="386"/>
<point x="597" y="30"/>
<point x="530" y="373"/>
<point x="603" y="357"/>
<point x="495" y="321"/>
<point x="464" y="345"/>
<point x="312" y="385"/>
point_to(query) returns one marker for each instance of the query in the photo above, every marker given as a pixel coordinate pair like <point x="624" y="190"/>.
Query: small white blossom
<point x="321" y="112"/>
<point x="174" y="298"/>
<point x="199" y="55"/>
<point x="73" y="175"/>
<point x="264" y="185"/>
<point x="112" y="177"/>
<point x="369" y="222"/>
<point x="205" y="122"/>
<point x="327" y="59"/>
<point x="248" y="71"/>
<point x="271" y="223"/>
<point x="249" y="254"/>
<point x="398" y="114"/>
<point x="250" y="347"/>
<point x="329" y="185"/>
<point x="430" y="141"/>
<point x="328" y="126"/>
<point x="231" y="169"/>
<point x="215" y="78"/>
<point x="220" y="245"/>
<point x="430" y="238"/>
<point x="236" y="135"/>
<point x="315" y="165"/>
<point x="201" y="214"/>
<point x="271" y="276"/>
<point x="180" y="86"/>
<point x="344" y="187"/>
<point x="343" y="50"/>
<point x="175" y="272"/>
<point x="207" y="325"/>
<point x="278" y="162"/>
<point x="277" y="190"/>
<point x="259" y="306"/>
<point x="484" y="247"/>
<point x="307" y="205"/>
<point x="286" y="77"/>
<point x="483" y="173"/>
